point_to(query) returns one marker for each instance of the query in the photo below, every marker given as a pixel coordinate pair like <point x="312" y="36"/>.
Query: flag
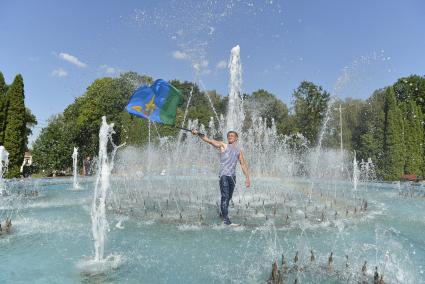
<point x="157" y="102"/>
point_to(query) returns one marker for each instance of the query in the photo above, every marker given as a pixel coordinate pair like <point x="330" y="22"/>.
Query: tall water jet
<point x="340" y="137"/>
<point x="98" y="216"/>
<point x="235" y="114"/>
<point x="75" y="167"/>
<point x="4" y="162"/>
<point x="356" y="174"/>
<point x="98" y="212"/>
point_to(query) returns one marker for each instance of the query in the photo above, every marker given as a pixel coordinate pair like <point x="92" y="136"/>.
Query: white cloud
<point x="222" y="64"/>
<point x="180" y="55"/>
<point x="60" y="72"/>
<point x="72" y="59"/>
<point x="108" y="69"/>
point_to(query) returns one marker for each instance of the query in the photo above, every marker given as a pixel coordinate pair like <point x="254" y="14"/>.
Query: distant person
<point x="26" y="169"/>
<point x="229" y="156"/>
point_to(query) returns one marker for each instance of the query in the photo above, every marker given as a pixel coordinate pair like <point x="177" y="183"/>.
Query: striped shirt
<point x="228" y="160"/>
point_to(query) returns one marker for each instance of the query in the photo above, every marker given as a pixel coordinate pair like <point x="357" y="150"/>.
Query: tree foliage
<point x="3" y="107"/>
<point x="15" y="132"/>
<point x="350" y="118"/>
<point x="387" y="127"/>
<point x="413" y="138"/>
<point x="310" y="104"/>
<point x="393" y="151"/>
<point x="53" y="149"/>
<point x="263" y="104"/>
<point x="370" y="134"/>
<point x="411" y="88"/>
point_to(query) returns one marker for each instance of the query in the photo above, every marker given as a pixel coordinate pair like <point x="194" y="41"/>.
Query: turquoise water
<point x="52" y="235"/>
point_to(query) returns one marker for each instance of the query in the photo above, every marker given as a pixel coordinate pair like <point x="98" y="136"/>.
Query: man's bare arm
<point x="245" y="169"/>
<point x="215" y="143"/>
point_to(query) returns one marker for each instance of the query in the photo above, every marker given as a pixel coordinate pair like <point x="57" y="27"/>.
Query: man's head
<point x="232" y="136"/>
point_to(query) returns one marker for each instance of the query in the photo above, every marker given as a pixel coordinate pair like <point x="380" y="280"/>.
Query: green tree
<point x="310" y="104"/>
<point x="411" y="88"/>
<point x="80" y="122"/>
<point x="200" y="106"/>
<point x="407" y="89"/>
<point x="15" y="132"/>
<point x="393" y="147"/>
<point x="105" y="96"/>
<point x="369" y="136"/>
<point x="413" y="138"/>
<point x="3" y="107"/>
<point x="263" y="104"/>
<point x="351" y="110"/>
<point x="52" y="149"/>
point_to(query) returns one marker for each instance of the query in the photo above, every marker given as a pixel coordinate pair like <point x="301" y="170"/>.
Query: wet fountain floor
<point x="166" y="230"/>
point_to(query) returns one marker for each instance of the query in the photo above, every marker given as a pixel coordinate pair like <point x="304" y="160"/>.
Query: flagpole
<point x="149" y="145"/>
<point x="186" y="129"/>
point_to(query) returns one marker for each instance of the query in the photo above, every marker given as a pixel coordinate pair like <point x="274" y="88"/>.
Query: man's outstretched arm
<point x="245" y="170"/>
<point x="215" y="143"/>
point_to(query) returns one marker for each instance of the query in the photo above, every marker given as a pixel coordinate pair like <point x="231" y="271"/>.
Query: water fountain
<point x="4" y="162"/>
<point x="100" y="225"/>
<point x="75" y="168"/>
<point x="235" y="113"/>
<point x="355" y="173"/>
<point x="161" y="203"/>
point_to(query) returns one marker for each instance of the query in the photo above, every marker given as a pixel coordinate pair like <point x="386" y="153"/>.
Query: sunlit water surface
<point x="166" y="230"/>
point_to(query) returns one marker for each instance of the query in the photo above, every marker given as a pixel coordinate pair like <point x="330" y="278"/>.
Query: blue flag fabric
<point x="157" y="102"/>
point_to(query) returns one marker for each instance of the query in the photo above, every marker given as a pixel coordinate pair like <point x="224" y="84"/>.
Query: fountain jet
<point x="75" y="168"/>
<point x="4" y="162"/>
<point x="235" y="113"/>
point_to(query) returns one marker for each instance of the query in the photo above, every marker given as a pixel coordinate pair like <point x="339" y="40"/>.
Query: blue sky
<point x="349" y="47"/>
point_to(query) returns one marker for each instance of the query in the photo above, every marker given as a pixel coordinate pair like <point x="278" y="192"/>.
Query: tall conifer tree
<point x="14" y="139"/>
<point x="413" y="139"/>
<point x="3" y="107"/>
<point x="393" y="138"/>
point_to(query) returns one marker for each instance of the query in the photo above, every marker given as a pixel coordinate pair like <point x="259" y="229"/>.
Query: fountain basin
<point x="52" y="240"/>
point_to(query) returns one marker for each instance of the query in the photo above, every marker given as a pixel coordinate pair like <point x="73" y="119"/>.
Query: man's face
<point x="232" y="138"/>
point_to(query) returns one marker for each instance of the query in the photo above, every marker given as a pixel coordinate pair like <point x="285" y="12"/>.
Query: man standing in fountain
<point x="229" y="156"/>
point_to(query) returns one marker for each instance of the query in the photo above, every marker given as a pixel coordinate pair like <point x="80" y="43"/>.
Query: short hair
<point x="234" y="132"/>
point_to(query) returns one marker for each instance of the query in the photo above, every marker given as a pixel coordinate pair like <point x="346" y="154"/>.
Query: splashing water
<point x="356" y="174"/>
<point x="99" y="221"/>
<point x="278" y="214"/>
<point x="98" y="212"/>
<point x="75" y="168"/>
<point x="352" y="77"/>
<point x="4" y="162"/>
<point x="194" y="35"/>
<point x="235" y="113"/>
<point x="367" y="171"/>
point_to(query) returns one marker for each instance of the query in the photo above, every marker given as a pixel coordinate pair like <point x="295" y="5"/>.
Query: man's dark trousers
<point x="227" y="185"/>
